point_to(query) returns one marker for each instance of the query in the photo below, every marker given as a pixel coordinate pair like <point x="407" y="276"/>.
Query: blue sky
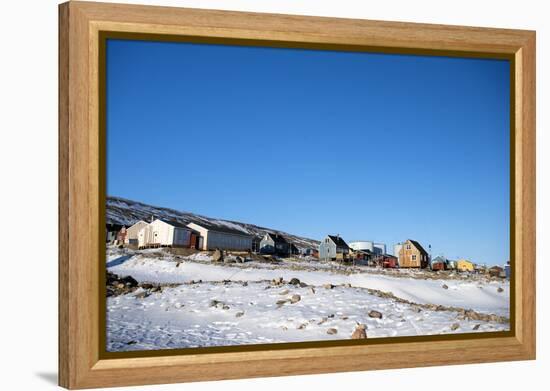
<point x="370" y="146"/>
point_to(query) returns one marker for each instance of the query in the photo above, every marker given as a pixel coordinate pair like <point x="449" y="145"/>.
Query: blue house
<point x="274" y="244"/>
<point x="332" y="248"/>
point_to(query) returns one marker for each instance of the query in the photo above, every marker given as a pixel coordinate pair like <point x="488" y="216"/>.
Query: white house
<point x="161" y="233"/>
<point x="133" y="231"/>
<point x="223" y="237"/>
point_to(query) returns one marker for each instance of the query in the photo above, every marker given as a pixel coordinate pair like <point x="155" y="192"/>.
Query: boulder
<point x="141" y="295"/>
<point x="332" y="331"/>
<point x="295" y="298"/>
<point x="500" y="290"/>
<point x="455" y="326"/>
<point x="129" y="281"/>
<point x="294" y="281"/>
<point x="239" y="314"/>
<point x="375" y="314"/>
<point x="146" y="286"/>
<point x="360" y="332"/>
<point x="285" y="292"/>
<point x="444" y="286"/>
<point x="328" y="286"/>
<point x="111" y="278"/>
<point x="476" y="327"/>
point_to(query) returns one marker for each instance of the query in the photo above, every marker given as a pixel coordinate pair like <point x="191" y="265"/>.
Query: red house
<point x="389" y="261"/>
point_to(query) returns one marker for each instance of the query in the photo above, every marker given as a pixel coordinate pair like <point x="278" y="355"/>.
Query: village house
<point x="497" y="271"/>
<point x="360" y="255"/>
<point x="121" y="235"/>
<point x="333" y="247"/>
<point x="132" y="232"/>
<point x="438" y="263"/>
<point x="463" y="265"/>
<point x="412" y="254"/>
<point x="111" y="231"/>
<point x="222" y="237"/>
<point x="389" y="261"/>
<point x="163" y="233"/>
<point x="274" y="244"/>
<point x="308" y="251"/>
<point x="450" y="264"/>
<point x="256" y="241"/>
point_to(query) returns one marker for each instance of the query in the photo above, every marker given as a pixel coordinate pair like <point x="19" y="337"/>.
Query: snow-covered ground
<point x="248" y="313"/>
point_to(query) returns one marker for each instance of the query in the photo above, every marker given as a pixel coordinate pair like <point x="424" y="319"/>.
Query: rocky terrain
<point x="158" y="300"/>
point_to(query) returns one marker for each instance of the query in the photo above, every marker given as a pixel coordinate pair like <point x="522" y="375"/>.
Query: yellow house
<point x="464" y="265"/>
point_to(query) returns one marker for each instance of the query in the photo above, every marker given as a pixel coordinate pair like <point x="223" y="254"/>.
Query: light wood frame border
<point x="80" y="364"/>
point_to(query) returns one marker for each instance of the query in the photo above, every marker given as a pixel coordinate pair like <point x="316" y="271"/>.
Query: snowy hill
<point x="127" y="212"/>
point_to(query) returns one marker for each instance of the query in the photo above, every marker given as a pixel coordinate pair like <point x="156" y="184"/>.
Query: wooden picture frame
<point x="82" y="192"/>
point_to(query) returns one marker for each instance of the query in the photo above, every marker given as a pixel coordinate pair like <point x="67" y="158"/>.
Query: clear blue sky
<point x="371" y="146"/>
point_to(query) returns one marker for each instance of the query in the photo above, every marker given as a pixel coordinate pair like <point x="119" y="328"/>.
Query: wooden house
<point x="412" y="254"/>
<point x="496" y="271"/>
<point x="132" y="232"/>
<point x="463" y="265"/>
<point x="438" y="263"/>
<point x="274" y="244"/>
<point x="389" y="261"/>
<point x="333" y="248"/>
<point x="222" y="237"/>
<point x="164" y="233"/>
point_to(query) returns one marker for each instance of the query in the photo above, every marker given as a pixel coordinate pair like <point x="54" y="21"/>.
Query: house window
<point x="408" y="246"/>
<point x="414" y="257"/>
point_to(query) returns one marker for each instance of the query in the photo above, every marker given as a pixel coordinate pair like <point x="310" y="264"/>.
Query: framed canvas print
<point x="247" y="195"/>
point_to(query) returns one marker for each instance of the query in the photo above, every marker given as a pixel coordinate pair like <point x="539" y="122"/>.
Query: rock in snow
<point x="359" y="332"/>
<point x="375" y="314"/>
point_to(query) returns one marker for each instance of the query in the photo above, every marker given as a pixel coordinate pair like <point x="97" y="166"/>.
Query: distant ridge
<point x="127" y="212"/>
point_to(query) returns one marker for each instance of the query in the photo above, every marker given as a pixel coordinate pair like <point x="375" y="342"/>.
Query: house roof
<point x="221" y="228"/>
<point x="137" y="222"/>
<point x="338" y="241"/>
<point x="277" y="238"/>
<point x="418" y="246"/>
<point x="174" y="223"/>
<point x="439" y="259"/>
